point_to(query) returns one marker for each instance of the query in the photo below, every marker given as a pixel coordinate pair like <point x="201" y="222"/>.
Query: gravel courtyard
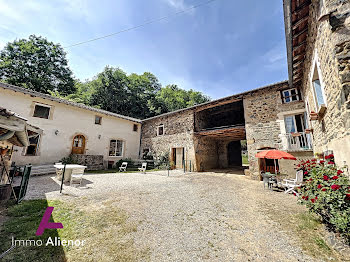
<point x="208" y="216"/>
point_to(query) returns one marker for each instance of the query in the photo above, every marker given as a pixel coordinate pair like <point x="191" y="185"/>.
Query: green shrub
<point x="326" y="192"/>
<point x="129" y="160"/>
<point x="68" y="160"/>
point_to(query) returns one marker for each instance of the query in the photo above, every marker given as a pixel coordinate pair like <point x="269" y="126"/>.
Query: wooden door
<point x="78" y="146"/>
<point x="179" y="157"/>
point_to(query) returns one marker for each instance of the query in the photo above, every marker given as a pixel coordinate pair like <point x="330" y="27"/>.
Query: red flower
<point x="307" y="162"/>
<point x="326" y="178"/>
<point x="313" y="200"/>
<point x="322" y="161"/>
<point x="347" y="197"/>
<point x="335" y="177"/>
<point x="335" y="187"/>
<point x="319" y="186"/>
<point x="305" y="172"/>
<point x="339" y="172"/>
<point x="324" y="189"/>
<point x="330" y="163"/>
<point x="313" y="160"/>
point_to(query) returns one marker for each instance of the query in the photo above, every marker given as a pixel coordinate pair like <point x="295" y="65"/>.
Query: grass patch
<point x="105" y="228"/>
<point x="245" y="160"/>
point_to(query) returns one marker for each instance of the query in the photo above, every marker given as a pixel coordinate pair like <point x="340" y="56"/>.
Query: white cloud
<point x="180" y="5"/>
<point x="276" y="56"/>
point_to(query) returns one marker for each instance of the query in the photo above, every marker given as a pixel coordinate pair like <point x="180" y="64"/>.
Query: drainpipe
<point x="7" y="135"/>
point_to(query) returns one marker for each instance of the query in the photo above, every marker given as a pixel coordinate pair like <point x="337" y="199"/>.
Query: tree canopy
<point x="42" y="66"/>
<point x="36" y="64"/>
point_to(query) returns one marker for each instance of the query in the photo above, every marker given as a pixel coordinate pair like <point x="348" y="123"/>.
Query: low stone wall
<point x="93" y="162"/>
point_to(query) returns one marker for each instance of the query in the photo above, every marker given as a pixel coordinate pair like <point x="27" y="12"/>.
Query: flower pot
<point x="313" y="116"/>
<point x="295" y="134"/>
<point x="308" y="131"/>
<point x="3" y="151"/>
<point x="5" y="192"/>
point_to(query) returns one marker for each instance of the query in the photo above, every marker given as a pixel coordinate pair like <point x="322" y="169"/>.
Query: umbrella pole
<point x="275" y="167"/>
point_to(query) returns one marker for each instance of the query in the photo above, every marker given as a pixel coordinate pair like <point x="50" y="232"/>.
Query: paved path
<point x="197" y="217"/>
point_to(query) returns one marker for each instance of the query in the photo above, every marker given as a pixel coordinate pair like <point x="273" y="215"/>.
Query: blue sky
<point x="222" y="48"/>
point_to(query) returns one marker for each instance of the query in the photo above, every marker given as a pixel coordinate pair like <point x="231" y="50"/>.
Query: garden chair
<point x="77" y="176"/>
<point x="290" y="185"/>
<point x="143" y="168"/>
<point x="123" y="167"/>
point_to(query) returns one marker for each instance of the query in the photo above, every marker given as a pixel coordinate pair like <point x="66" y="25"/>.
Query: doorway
<point x="78" y="146"/>
<point x="234" y="153"/>
<point x="178" y="156"/>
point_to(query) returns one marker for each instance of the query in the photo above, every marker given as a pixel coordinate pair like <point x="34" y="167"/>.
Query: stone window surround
<point x="123" y="147"/>
<point x="43" y="105"/>
<point x="316" y="66"/>
<point x="161" y="125"/>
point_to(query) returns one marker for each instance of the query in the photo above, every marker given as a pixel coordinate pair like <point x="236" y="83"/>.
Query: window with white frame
<point x="290" y="95"/>
<point x="295" y="123"/>
<point x="41" y="111"/>
<point x="160" y="130"/>
<point x="116" y="147"/>
<point x="317" y="88"/>
<point x="33" y="148"/>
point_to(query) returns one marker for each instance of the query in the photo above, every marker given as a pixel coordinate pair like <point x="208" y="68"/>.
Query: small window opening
<point x="290" y="95"/>
<point x="41" y="111"/>
<point x="98" y="120"/>
<point x="116" y="148"/>
<point x="160" y="130"/>
<point x="135" y="128"/>
<point x="33" y="148"/>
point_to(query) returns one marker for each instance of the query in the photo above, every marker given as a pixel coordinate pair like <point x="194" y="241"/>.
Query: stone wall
<point x="93" y="162"/>
<point x="329" y="50"/>
<point x="262" y="111"/>
<point x="178" y="132"/>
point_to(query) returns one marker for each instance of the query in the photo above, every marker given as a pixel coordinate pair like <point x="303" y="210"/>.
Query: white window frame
<point x="295" y="123"/>
<point x="316" y="66"/>
<point x="123" y="147"/>
<point x="290" y="96"/>
<point x="43" y="105"/>
<point x="162" y="125"/>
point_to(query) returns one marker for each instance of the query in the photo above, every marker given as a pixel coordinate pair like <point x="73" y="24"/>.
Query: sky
<point x="222" y="48"/>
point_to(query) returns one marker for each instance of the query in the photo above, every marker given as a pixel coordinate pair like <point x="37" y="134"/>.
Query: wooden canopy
<point x="233" y="132"/>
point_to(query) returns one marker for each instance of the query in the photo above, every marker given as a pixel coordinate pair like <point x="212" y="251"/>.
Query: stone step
<point x="43" y="169"/>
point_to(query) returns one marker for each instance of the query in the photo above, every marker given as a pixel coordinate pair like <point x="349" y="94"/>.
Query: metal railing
<point x="297" y="141"/>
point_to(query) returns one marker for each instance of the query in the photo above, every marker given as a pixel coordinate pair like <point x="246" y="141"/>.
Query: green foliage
<point x="68" y="160"/>
<point x="36" y="64"/>
<point x="128" y="160"/>
<point x="326" y="192"/>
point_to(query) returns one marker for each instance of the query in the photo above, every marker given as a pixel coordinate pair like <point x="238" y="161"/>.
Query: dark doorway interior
<point x="234" y="153"/>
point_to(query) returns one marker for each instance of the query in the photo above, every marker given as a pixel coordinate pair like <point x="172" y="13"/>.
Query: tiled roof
<point x="64" y="101"/>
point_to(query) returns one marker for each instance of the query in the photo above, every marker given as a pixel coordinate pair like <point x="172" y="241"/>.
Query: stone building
<point x="208" y="135"/>
<point x="318" y="47"/>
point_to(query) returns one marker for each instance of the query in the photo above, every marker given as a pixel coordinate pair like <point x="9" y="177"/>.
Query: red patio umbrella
<point x="275" y="154"/>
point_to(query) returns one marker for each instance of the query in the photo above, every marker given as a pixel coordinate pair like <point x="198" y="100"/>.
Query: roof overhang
<point x="232" y="132"/>
<point x="296" y="20"/>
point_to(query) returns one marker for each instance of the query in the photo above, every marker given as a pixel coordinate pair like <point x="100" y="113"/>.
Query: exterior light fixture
<point x="56" y="132"/>
<point x="99" y="136"/>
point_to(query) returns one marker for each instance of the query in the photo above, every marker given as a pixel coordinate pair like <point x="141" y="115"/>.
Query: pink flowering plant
<point x="326" y="192"/>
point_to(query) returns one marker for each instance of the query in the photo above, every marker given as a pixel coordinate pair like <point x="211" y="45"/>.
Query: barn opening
<point x="219" y="130"/>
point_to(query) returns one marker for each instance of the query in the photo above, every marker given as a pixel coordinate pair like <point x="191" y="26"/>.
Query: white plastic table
<point x="69" y="169"/>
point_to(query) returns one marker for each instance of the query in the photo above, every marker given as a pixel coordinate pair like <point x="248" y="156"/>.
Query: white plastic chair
<point x="59" y="171"/>
<point x="291" y="184"/>
<point x="143" y="168"/>
<point x="123" y="167"/>
<point x="77" y="176"/>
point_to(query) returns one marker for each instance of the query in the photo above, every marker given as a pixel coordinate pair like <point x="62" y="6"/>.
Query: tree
<point x="36" y="64"/>
<point x="174" y="98"/>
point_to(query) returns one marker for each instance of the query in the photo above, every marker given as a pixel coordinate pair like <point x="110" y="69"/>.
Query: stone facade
<point x="264" y="121"/>
<point x="328" y="52"/>
<point x="93" y="162"/>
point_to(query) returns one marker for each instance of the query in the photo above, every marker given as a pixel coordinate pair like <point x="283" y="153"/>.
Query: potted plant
<point x="308" y="130"/>
<point x="313" y="116"/>
<point x="3" y="151"/>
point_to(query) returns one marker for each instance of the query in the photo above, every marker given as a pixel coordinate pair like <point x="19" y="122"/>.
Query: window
<point x="33" y="148"/>
<point x="135" y="128"/>
<point x="116" y="148"/>
<point x="41" y="111"/>
<point x="295" y="123"/>
<point x="98" y="120"/>
<point x="318" y="89"/>
<point x="160" y="130"/>
<point x="290" y="95"/>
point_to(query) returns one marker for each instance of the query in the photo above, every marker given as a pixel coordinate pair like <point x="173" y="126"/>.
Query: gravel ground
<point x="211" y="216"/>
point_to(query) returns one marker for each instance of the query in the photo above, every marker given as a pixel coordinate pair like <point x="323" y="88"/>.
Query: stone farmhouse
<point x="97" y="138"/>
<point x="307" y="115"/>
